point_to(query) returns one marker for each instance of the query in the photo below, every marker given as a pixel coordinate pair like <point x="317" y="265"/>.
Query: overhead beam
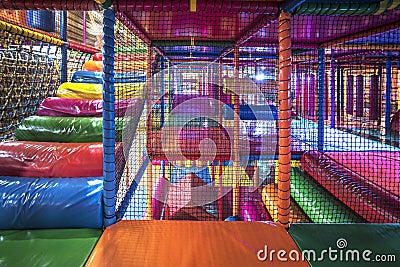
<point x="290" y="5"/>
<point x="81" y="5"/>
<point x="361" y="34"/>
<point x="188" y="42"/>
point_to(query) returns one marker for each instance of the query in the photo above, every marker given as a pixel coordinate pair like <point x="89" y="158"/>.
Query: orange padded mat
<point x="188" y="243"/>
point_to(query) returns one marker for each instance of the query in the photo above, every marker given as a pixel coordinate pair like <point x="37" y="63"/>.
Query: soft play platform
<point x="346" y="241"/>
<point x="334" y="140"/>
<point x="184" y="243"/>
<point x="53" y="247"/>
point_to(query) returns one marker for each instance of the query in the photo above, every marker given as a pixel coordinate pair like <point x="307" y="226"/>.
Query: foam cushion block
<point x="64" y="129"/>
<point x="74" y="107"/>
<point x="92" y="65"/>
<point x="42" y="159"/>
<point x="129" y="77"/>
<point x="83" y="76"/>
<point x="29" y="203"/>
<point x="95" y="91"/>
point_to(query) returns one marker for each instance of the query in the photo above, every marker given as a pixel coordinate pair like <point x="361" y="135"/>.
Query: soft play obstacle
<point x="183" y="198"/>
<point x="47" y="247"/>
<point x="74" y="107"/>
<point x="42" y="159"/>
<point x="29" y="203"/>
<point x="270" y="199"/>
<point x="319" y="205"/>
<point x="83" y="76"/>
<point x="194" y="243"/>
<point x="91" y="65"/>
<point x="252" y="112"/>
<point x="187" y="143"/>
<point x="98" y="57"/>
<point x="65" y="129"/>
<point x="129" y="77"/>
<point x="168" y="197"/>
<point x="80" y="90"/>
<point x="367" y="182"/>
<point x="95" y="91"/>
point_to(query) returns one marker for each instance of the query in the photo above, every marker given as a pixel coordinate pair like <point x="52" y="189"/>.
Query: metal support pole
<point x="64" y="47"/>
<point x="108" y="119"/>
<point x="284" y="157"/>
<point x="388" y="104"/>
<point x="321" y="98"/>
<point x="332" y="89"/>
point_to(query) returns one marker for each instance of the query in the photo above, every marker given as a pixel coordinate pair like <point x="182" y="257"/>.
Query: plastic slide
<point x="367" y="182"/>
<point x="270" y="199"/>
<point x="319" y="205"/>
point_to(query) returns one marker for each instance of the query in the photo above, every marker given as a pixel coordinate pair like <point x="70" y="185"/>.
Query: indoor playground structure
<point x="199" y="133"/>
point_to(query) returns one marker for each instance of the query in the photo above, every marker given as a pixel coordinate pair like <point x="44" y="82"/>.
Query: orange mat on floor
<point x="188" y="243"/>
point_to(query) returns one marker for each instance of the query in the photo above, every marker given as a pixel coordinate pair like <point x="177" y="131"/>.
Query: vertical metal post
<point x="342" y="95"/>
<point x="162" y="107"/>
<point x="149" y="131"/>
<point x="338" y="91"/>
<point x="236" y="108"/>
<point x="284" y="157"/>
<point x="388" y="104"/>
<point x="332" y="98"/>
<point x="321" y="98"/>
<point x="108" y="119"/>
<point x="64" y="48"/>
<point x="84" y="27"/>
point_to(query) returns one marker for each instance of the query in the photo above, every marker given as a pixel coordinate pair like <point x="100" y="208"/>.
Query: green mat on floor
<point x="349" y="240"/>
<point x="50" y="247"/>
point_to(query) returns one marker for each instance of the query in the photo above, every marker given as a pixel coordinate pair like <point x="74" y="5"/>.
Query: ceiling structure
<point x="210" y="29"/>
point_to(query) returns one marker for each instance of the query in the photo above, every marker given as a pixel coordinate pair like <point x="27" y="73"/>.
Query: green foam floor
<point x="377" y="241"/>
<point x="50" y="247"/>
